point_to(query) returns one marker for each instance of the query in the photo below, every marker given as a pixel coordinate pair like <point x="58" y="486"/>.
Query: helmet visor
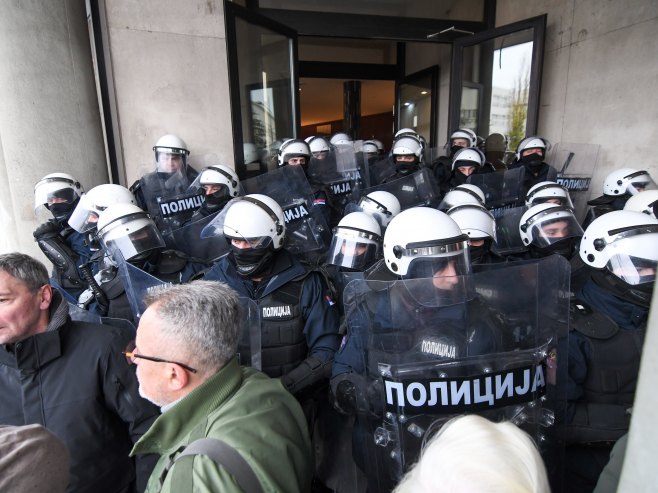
<point x="131" y="239"/>
<point x="242" y="242"/>
<point x="438" y="262"/>
<point x="633" y="270"/>
<point x="639" y="182"/>
<point x="552" y="230"/>
<point x="84" y="216"/>
<point x="170" y="160"/>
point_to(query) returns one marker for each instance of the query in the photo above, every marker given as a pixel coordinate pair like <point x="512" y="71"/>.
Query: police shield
<point x="306" y="229"/>
<point x="137" y="285"/>
<point x="189" y="239"/>
<point x="249" y="346"/>
<point x="414" y="190"/>
<point x="339" y="175"/>
<point x="167" y="198"/>
<point x="502" y="189"/>
<point x="381" y="170"/>
<point x="508" y="239"/>
<point x="575" y="164"/>
<point x="436" y="348"/>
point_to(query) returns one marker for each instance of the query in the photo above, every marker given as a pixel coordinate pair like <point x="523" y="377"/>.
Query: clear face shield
<point x="378" y="211"/>
<point x="169" y="160"/>
<point x="54" y="199"/>
<point x="636" y="256"/>
<point x="134" y="236"/>
<point x="353" y="249"/>
<point x="639" y="182"/>
<point x="550" y="230"/>
<point x="84" y="216"/>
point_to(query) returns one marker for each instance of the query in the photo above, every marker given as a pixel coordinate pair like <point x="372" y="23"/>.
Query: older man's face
<point x="151" y="374"/>
<point x="23" y="313"/>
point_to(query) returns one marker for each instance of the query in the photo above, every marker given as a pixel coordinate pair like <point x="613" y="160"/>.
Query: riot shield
<point x="190" y="241"/>
<point x="502" y="189"/>
<point x="80" y="314"/>
<point x="249" y="346"/>
<point x="508" y="239"/>
<point x="137" y="284"/>
<point x="381" y="169"/>
<point x="575" y="164"/>
<point x="486" y="345"/>
<point x="414" y="190"/>
<point x="306" y="229"/>
<point x="167" y="198"/>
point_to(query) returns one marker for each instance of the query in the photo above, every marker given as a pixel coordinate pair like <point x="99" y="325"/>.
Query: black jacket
<point x="73" y="380"/>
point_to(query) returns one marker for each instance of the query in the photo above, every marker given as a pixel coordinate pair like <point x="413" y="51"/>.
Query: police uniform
<point x="299" y="322"/>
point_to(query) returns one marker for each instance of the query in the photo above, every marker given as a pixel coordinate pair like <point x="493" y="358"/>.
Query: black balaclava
<point x="533" y="162"/>
<point x="217" y="200"/>
<point x="252" y="262"/>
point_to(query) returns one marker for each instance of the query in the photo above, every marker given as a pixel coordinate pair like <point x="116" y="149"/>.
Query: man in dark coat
<point x="72" y="378"/>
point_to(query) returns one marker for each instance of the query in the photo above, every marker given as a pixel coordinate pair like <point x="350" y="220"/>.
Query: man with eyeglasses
<point x="71" y="378"/>
<point x="186" y="364"/>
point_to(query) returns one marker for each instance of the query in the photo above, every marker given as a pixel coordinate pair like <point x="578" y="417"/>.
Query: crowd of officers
<point x="334" y="210"/>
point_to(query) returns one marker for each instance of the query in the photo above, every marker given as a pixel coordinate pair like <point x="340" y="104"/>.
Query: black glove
<point x="48" y="229"/>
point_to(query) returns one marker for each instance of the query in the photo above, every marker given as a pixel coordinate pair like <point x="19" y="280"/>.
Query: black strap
<point x="223" y="455"/>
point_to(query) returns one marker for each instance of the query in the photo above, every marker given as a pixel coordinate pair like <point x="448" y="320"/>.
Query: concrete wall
<point x="49" y="120"/>
<point x="599" y="80"/>
<point x="170" y="76"/>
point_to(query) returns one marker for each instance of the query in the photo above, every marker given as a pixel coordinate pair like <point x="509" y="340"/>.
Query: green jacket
<point x="247" y="410"/>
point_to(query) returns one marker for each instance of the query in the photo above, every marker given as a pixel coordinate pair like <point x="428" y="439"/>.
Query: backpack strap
<point x="222" y="454"/>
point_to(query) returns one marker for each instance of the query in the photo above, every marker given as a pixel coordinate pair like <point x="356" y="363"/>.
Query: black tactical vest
<point x="614" y="363"/>
<point x="283" y="343"/>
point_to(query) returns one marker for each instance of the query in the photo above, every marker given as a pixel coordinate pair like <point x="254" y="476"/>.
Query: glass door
<point x="417" y="103"/>
<point x="262" y="57"/>
<point x="496" y="78"/>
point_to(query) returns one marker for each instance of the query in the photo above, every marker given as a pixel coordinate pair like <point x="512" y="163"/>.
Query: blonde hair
<point x="473" y="454"/>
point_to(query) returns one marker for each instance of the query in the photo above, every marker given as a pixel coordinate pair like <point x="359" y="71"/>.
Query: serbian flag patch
<point x="319" y="201"/>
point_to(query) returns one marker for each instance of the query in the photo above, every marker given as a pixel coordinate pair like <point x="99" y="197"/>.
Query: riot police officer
<point x="550" y="228"/>
<point x="480" y="226"/>
<point x="55" y="197"/>
<point x="619" y="186"/>
<point x="459" y="139"/>
<point x="218" y="184"/>
<point x="609" y="318"/>
<point x="548" y="192"/>
<point x="170" y="180"/>
<point x="645" y="202"/>
<point x="127" y="233"/>
<point x="530" y="154"/>
<point x="465" y="162"/>
<point x="299" y="333"/>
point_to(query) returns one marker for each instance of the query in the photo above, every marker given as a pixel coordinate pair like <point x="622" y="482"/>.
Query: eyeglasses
<point x="131" y="356"/>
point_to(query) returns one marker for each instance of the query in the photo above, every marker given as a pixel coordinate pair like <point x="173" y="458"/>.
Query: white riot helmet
<point x="645" y="202"/>
<point x="381" y="205"/>
<point x="85" y="216"/>
<point x="420" y="242"/>
<point x="533" y="143"/>
<point x="356" y="242"/>
<point x="406" y="132"/>
<point x="462" y="194"/>
<point x="548" y="192"/>
<point x="463" y="133"/>
<point x="55" y="196"/>
<point x="474" y="220"/>
<point x="128" y="229"/>
<point x="379" y="144"/>
<point x="627" y="181"/>
<point x="369" y="147"/>
<point x="257" y="220"/>
<point x="550" y="228"/>
<point x="319" y="147"/>
<point x="221" y="175"/>
<point x="170" y="154"/>
<point x="468" y="156"/>
<point x="407" y="145"/>
<point x="294" y="148"/>
<point x="309" y="139"/>
<point x="340" y="138"/>
<point x="250" y="153"/>
<point x="626" y="244"/>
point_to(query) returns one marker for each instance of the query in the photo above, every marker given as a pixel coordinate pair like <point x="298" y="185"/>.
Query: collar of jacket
<point x="172" y="428"/>
<point x="38" y="350"/>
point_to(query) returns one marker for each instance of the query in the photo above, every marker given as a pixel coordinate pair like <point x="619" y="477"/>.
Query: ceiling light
<point x="423" y="92"/>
